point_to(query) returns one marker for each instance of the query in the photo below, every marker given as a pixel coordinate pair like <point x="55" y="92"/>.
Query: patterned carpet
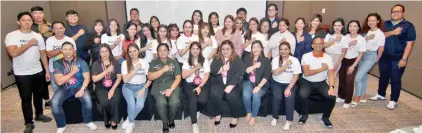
<point x="370" y="117"/>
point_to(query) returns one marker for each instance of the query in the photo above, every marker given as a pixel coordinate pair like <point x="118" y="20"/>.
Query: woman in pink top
<point x="229" y="32"/>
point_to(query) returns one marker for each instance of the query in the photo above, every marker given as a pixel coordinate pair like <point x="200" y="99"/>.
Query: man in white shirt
<point x="53" y="46"/>
<point x="317" y="68"/>
<point x="26" y="48"/>
<point x="282" y="36"/>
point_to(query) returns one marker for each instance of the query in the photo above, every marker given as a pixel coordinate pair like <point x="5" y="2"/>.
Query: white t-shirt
<point x="377" y="41"/>
<point x="316" y="63"/>
<point x="265" y="44"/>
<point x="286" y="76"/>
<point x="173" y="49"/>
<point x="117" y="51"/>
<point x="275" y="39"/>
<point x="28" y="63"/>
<point x="216" y="29"/>
<point x="207" y="50"/>
<point x="353" y="51"/>
<point x="182" y="43"/>
<point x="257" y="36"/>
<point x="149" y="53"/>
<point x="338" y="46"/>
<point x="204" y="69"/>
<point x="140" y="76"/>
<point x="52" y="44"/>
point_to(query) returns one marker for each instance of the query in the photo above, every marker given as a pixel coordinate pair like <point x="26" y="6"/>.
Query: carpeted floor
<point x="370" y="117"/>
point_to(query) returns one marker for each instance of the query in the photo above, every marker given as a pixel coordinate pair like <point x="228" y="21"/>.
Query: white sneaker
<point x="124" y="125"/>
<point x="198" y="114"/>
<point x="274" y="122"/>
<point x="391" y="105"/>
<point x="346" y="106"/>
<point x="377" y="97"/>
<point x="339" y="100"/>
<point x="129" y="127"/>
<point x="362" y="101"/>
<point x="286" y="126"/>
<point x="60" y="130"/>
<point x="91" y="126"/>
<point x="195" y="128"/>
<point x="353" y="104"/>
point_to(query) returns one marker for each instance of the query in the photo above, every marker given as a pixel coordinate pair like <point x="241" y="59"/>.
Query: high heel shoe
<point x="114" y="127"/>
<point x="216" y="123"/>
<point x="233" y="125"/>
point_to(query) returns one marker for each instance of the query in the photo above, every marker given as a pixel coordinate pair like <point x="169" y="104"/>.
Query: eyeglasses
<point x="398" y="11"/>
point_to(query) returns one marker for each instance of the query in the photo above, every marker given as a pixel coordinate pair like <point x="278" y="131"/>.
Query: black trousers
<point x="196" y="102"/>
<point x="307" y="87"/>
<point x="108" y="108"/>
<point x="29" y="85"/>
<point x="234" y="98"/>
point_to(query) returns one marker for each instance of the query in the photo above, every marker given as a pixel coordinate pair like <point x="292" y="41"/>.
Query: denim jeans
<point x="53" y="82"/>
<point x="278" y="95"/>
<point x="361" y="79"/>
<point x="134" y="102"/>
<point x="252" y="101"/>
<point x="62" y="95"/>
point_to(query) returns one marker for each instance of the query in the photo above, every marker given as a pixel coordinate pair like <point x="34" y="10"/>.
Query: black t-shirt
<point x="97" y="69"/>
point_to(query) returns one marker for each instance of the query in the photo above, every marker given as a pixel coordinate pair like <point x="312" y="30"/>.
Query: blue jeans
<point x="53" y="83"/>
<point x="134" y="102"/>
<point x="252" y="101"/>
<point x="62" y="95"/>
<point x="278" y="95"/>
<point x="361" y="79"/>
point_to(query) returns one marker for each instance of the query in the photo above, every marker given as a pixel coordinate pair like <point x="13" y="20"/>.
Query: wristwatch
<point x="405" y="59"/>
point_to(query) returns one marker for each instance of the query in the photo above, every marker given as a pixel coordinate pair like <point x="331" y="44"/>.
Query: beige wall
<point x="359" y="10"/>
<point x="9" y="12"/>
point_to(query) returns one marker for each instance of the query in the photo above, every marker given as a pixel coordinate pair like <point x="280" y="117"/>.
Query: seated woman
<point x="255" y="83"/>
<point x="107" y="78"/>
<point x="165" y="72"/>
<point x="134" y="70"/>
<point x="72" y="76"/>
<point x="196" y="71"/>
<point x="286" y="70"/>
<point x="227" y="72"/>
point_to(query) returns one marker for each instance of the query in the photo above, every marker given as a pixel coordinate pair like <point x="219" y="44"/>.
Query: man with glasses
<point x="400" y="37"/>
<point x="272" y="11"/>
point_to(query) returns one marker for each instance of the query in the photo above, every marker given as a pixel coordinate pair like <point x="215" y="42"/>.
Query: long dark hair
<point x="129" y="59"/>
<point x="233" y="55"/>
<point x="184" y="23"/>
<point x="144" y="38"/>
<point x="109" y="30"/>
<point x="380" y="25"/>
<point x="150" y="23"/>
<point x="234" y="24"/>
<point x="304" y="23"/>
<point x="343" y="30"/>
<point x="354" y="21"/>
<point x="171" y="27"/>
<point x="167" y="35"/>
<point x="200" y="14"/>
<point x="269" y="24"/>
<point x="98" y="21"/>
<point x="248" y="35"/>
<point x="127" y="36"/>
<point x="110" y="57"/>
<point x="212" y="32"/>
<point x="280" y="60"/>
<point x="201" y="58"/>
<point x="262" y="48"/>
<point x="200" y="36"/>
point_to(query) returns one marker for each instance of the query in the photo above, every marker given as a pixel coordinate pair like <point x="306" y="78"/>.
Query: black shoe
<point x="107" y="126"/>
<point x="42" y="118"/>
<point x="47" y="104"/>
<point x="327" y="122"/>
<point x="29" y="127"/>
<point x="166" y="130"/>
<point x="216" y="123"/>
<point x="171" y="124"/>
<point x="114" y="127"/>
<point x="233" y="125"/>
<point x="303" y="119"/>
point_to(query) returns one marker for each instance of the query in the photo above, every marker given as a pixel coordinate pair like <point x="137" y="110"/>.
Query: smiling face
<point x="284" y="50"/>
<point x="282" y="26"/>
<point x="265" y="26"/>
<point x="132" y="30"/>
<point x="253" y="26"/>
<point x="214" y="19"/>
<point x="25" y="22"/>
<point x="187" y="28"/>
<point x="163" y="52"/>
<point x="195" y="50"/>
<point x="104" y="53"/>
<point x="162" y="32"/>
<point x="239" y="24"/>
<point x="174" y="32"/>
<point x="133" y="52"/>
<point x="300" y="24"/>
<point x="271" y="11"/>
<point x="68" y="50"/>
<point x="397" y="13"/>
<point x="373" y="21"/>
<point x="113" y="26"/>
<point x="315" y="22"/>
<point x="205" y="31"/>
<point x="226" y="50"/>
<point x="134" y="15"/>
<point x="72" y="18"/>
<point x="146" y="32"/>
<point x="98" y="27"/>
<point x="318" y="44"/>
<point x="196" y="17"/>
<point x="256" y="49"/>
<point x="228" y="23"/>
<point x="337" y="27"/>
<point x="353" y="28"/>
<point x="155" y="23"/>
<point x="58" y="29"/>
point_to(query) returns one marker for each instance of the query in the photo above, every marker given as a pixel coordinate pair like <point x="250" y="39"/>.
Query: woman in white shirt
<point x="151" y="43"/>
<point x="134" y="71"/>
<point x="335" y="44"/>
<point x="196" y="20"/>
<point x="184" y="41"/>
<point x="285" y="73"/>
<point x="252" y="35"/>
<point x="154" y="22"/>
<point x="264" y="29"/>
<point x="283" y="35"/>
<point x="196" y="71"/>
<point x="214" y="23"/>
<point x="357" y="45"/>
<point x="375" y="40"/>
<point x="208" y="42"/>
<point x="114" y="38"/>
<point x="173" y="31"/>
<point x="163" y="37"/>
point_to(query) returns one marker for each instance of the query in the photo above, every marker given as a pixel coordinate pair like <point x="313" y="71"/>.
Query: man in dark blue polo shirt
<point x="400" y="37"/>
<point x="78" y="32"/>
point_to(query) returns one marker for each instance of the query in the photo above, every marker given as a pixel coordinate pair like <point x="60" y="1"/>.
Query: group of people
<point x="240" y="61"/>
